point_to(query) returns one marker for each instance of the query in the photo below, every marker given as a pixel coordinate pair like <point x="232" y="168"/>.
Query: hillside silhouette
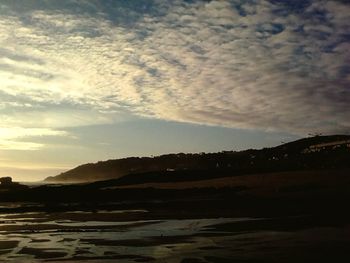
<point x="313" y="153"/>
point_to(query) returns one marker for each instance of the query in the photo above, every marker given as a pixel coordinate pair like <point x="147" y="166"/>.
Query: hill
<point x="313" y="153"/>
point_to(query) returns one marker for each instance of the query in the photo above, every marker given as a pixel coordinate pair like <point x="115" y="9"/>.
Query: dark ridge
<point x="190" y="167"/>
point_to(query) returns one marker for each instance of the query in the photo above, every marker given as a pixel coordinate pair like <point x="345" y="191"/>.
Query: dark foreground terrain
<point x="278" y="217"/>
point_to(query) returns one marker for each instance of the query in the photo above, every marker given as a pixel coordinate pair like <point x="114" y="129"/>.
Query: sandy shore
<point x="81" y="236"/>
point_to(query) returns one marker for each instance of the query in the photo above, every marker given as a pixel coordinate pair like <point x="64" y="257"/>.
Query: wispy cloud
<point x="11" y="138"/>
<point x="269" y="65"/>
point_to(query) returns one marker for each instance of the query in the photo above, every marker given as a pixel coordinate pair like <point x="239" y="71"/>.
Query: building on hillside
<point x="327" y="146"/>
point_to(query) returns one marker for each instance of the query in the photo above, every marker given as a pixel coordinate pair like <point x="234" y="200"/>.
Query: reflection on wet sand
<point x="37" y="237"/>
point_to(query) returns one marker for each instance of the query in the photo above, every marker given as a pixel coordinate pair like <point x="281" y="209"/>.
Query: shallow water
<point x="36" y="236"/>
<point x="32" y="237"/>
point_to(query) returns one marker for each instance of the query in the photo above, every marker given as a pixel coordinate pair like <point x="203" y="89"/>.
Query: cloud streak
<point x="268" y="65"/>
<point x="13" y="138"/>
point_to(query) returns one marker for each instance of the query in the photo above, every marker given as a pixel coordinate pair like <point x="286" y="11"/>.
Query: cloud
<point x="268" y="65"/>
<point x="9" y="137"/>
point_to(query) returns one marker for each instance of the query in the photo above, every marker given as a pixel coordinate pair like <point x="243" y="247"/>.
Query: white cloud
<point x="202" y="63"/>
<point x="9" y="137"/>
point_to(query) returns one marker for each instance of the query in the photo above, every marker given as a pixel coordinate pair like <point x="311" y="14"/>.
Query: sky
<point x="89" y="80"/>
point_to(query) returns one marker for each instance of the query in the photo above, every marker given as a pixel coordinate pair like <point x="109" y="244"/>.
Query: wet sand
<point x="296" y="217"/>
<point x="81" y="236"/>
